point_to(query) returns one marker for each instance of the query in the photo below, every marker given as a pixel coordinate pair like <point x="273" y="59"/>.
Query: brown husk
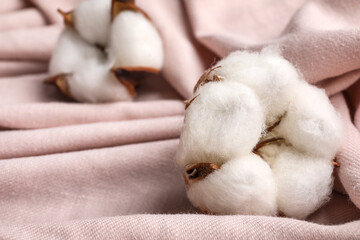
<point x="205" y="78"/>
<point x="198" y="171"/>
<point x="68" y="17"/>
<point x="117" y="6"/>
<point x="188" y="102"/>
<point x="60" y="81"/>
<point x="129" y="76"/>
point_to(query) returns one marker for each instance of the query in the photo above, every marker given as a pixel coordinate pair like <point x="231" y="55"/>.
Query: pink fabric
<point x="106" y="171"/>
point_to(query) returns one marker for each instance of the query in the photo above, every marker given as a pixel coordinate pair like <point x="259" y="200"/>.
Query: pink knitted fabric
<point x="106" y="171"/>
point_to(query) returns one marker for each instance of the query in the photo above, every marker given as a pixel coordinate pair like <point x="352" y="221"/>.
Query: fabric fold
<point x="106" y="171"/>
<point x="16" y="68"/>
<point x="123" y="180"/>
<point x="28" y="44"/>
<point x="55" y="114"/>
<point x="7" y="6"/>
<point x="87" y="136"/>
<point x="27" y="18"/>
<point x="192" y="226"/>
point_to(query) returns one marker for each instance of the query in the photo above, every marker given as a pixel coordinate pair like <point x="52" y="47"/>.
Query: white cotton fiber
<point x="70" y="52"/>
<point x="93" y="46"/>
<point x="311" y="123"/>
<point x="244" y="185"/>
<point x="101" y="85"/>
<point x="92" y="21"/>
<point x="304" y="182"/>
<point x="267" y="73"/>
<point x="244" y="94"/>
<point x="224" y="121"/>
<point x="134" y="41"/>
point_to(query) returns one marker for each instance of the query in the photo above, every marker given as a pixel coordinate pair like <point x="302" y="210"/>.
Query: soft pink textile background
<point x="106" y="171"/>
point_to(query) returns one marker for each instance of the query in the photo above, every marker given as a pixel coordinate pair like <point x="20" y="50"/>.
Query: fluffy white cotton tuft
<point x="92" y="47"/>
<point x="223" y="122"/>
<point x="134" y="41"/>
<point x="70" y="52"/>
<point x="304" y="182"/>
<point x="267" y="73"/>
<point x="101" y="85"/>
<point x="92" y="21"/>
<point x="243" y="185"/>
<point x="223" y="125"/>
<point x="311" y="123"/>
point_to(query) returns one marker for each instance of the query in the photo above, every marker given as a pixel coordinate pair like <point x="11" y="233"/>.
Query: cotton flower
<point x="105" y="49"/>
<point x="257" y="139"/>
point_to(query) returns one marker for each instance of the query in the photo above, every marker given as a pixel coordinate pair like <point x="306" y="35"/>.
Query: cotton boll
<point x="311" y="123"/>
<point x="70" y="51"/>
<point x="134" y="41"/>
<point x="223" y="122"/>
<point x="92" y="21"/>
<point x="94" y="82"/>
<point x="243" y="185"/>
<point x="267" y="73"/>
<point x="234" y="101"/>
<point x="100" y="60"/>
<point x="303" y="182"/>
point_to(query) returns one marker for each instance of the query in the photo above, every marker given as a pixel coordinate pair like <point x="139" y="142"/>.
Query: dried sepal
<point x="188" y="102"/>
<point x="100" y="47"/>
<point x="198" y="171"/>
<point x="281" y="214"/>
<point x="68" y="17"/>
<point x="60" y="81"/>
<point x="128" y="83"/>
<point x="269" y="142"/>
<point x="206" y="211"/>
<point x="335" y="164"/>
<point x="266" y="143"/>
<point x="117" y="6"/>
<point x="269" y="129"/>
<point x="257" y="153"/>
<point x="205" y="78"/>
<point x="147" y="70"/>
<point x="129" y="76"/>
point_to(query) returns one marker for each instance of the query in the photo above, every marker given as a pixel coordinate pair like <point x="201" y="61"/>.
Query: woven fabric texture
<point x="106" y="171"/>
